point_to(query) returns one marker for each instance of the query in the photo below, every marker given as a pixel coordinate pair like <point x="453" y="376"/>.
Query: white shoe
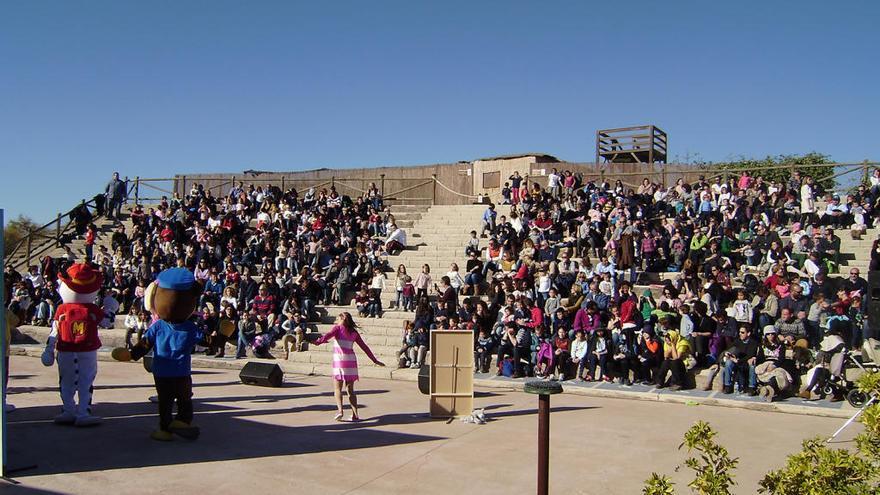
<point x="87" y="421"/>
<point x="480" y="414"/>
<point x="65" y="418"/>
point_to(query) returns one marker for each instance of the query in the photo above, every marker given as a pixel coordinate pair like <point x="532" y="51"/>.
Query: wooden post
<point x="183" y="186"/>
<point x="865" y="174"/>
<point x="137" y="189"/>
<point x="332" y="181"/>
<point x="282" y="184"/>
<point x="382" y="184"/>
<point x="434" y="190"/>
<point x="28" y="254"/>
<point x="58" y="230"/>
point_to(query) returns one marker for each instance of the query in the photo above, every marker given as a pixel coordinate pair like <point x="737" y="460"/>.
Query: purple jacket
<point x="583" y="321"/>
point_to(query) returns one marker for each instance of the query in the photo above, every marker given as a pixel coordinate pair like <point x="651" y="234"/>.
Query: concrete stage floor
<point x="263" y="440"/>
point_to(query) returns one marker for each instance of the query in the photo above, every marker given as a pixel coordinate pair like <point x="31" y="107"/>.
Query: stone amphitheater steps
<point x="105" y="226"/>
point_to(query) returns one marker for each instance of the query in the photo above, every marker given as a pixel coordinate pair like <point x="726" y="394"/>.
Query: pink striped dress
<point x="345" y="366"/>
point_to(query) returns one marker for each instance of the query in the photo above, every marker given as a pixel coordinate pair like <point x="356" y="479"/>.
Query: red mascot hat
<point x="82" y="278"/>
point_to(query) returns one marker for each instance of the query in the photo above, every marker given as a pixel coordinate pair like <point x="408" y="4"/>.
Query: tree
<point x="815" y="470"/>
<point x="759" y="167"/>
<point x="16" y="230"/>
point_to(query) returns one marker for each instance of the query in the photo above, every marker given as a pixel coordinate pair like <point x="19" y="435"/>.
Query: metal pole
<point x="434" y="190"/>
<point x="3" y="351"/>
<point x="382" y="184"/>
<point x="543" y="444"/>
<point x="853" y="418"/>
<point x="137" y="189"/>
<point x="58" y="230"/>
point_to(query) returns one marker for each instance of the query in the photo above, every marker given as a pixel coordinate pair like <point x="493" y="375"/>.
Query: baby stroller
<point x="869" y="362"/>
<point x="828" y="375"/>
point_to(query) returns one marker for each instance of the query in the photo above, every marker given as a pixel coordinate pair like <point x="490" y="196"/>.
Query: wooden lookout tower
<point x="639" y="144"/>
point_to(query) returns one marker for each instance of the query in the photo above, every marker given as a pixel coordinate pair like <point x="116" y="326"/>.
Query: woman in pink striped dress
<point x="345" y="368"/>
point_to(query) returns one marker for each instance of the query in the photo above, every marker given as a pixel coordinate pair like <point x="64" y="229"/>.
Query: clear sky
<point x="163" y="87"/>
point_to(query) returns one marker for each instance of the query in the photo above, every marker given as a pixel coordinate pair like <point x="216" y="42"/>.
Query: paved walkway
<point x="264" y="440"/>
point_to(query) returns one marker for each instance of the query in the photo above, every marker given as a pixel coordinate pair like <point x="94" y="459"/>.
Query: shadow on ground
<point x="232" y="430"/>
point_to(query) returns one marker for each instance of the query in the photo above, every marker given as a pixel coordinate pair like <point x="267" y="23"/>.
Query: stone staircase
<point x="105" y="226"/>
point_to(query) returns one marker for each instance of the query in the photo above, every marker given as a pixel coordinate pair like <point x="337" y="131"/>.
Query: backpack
<point x="77" y="325"/>
<point x="508" y="367"/>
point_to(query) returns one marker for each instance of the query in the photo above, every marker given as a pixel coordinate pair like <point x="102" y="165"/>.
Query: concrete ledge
<point x="844" y="410"/>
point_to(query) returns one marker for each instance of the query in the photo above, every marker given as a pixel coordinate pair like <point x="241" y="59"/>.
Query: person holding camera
<point x="739" y="363"/>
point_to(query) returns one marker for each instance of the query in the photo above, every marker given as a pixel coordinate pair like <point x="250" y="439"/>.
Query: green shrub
<point x="816" y="470"/>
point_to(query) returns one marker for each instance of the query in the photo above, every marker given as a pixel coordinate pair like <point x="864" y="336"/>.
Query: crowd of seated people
<point x="267" y="259"/>
<point x="750" y="292"/>
<point x="552" y="293"/>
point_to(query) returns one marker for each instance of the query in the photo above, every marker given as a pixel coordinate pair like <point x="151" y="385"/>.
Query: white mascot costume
<point x="75" y="336"/>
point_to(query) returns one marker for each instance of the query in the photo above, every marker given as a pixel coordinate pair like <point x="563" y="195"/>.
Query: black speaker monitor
<point x="425" y="379"/>
<point x="262" y="374"/>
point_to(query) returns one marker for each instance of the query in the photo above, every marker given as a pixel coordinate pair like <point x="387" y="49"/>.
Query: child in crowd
<point x="473" y="245"/>
<point x="408" y="342"/>
<point x="483" y="352"/>
<point x="131" y="325"/>
<point x="377" y="285"/>
<point x="422" y="282"/>
<point x="362" y="301"/>
<point x="399" y="282"/>
<point x="742" y="309"/>
<point x="409" y="292"/>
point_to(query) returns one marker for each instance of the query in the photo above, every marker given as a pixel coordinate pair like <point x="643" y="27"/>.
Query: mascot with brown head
<point x="172" y="298"/>
<point x="75" y="336"/>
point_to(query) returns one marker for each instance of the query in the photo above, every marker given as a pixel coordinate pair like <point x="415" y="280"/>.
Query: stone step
<point x="409" y="207"/>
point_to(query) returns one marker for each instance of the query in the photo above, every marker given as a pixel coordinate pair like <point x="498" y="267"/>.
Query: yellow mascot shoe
<point x="186" y="431"/>
<point x="121" y="354"/>
<point x="162" y="436"/>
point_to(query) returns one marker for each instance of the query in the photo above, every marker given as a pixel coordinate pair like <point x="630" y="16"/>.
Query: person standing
<point x="345" y="368"/>
<point x="488" y="220"/>
<point x="116" y="194"/>
<point x="808" y="202"/>
<point x="91" y="237"/>
<point x="554" y="183"/>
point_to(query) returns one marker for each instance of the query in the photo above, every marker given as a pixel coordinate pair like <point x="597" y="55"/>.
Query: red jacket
<point x="627" y="310"/>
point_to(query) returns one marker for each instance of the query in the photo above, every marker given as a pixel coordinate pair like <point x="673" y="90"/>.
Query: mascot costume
<point x="74" y="335"/>
<point x="172" y="298"/>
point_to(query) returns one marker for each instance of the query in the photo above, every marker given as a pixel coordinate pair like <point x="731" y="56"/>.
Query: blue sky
<point x="164" y="87"/>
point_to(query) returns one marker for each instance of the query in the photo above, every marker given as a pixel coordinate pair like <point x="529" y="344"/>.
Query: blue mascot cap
<point x="176" y="279"/>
